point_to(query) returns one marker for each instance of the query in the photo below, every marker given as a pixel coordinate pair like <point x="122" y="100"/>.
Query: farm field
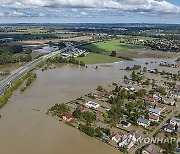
<point x="111" y="45"/>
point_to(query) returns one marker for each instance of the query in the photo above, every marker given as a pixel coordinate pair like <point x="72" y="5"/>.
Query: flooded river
<point x="24" y="130"/>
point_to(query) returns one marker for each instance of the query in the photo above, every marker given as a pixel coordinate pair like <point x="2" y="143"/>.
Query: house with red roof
<point x="81" y="108"/>
<point x="117" y="137"/>
<point x="151" y="100"/>
<point x="161" y="107"/>
<point x="153" y="117"/>
<point x="67" y="117"/>
<point x="99" y="114"/>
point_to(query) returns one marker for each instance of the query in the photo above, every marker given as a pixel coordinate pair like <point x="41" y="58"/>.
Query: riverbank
<point x="94" y="58"/>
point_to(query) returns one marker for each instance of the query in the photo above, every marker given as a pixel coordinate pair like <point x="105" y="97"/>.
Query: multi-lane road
<point x="18" y="73"/>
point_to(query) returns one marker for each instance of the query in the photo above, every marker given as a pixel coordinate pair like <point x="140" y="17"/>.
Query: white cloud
<point x="11" y="14"/>
<point x="121" y="5"/>
<point x="15" y="13"/>
<point x="83" y="13"/>
<point x="87" y="8"/>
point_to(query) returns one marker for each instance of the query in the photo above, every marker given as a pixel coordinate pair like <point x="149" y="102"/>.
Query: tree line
<point x="7" y="54"/>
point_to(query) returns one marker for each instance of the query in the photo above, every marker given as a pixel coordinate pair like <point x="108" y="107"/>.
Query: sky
<point x="90" y="11"/>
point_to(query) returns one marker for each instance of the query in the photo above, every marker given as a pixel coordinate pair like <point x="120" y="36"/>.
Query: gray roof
<point x="143" y="120"/>
<point x="168" y="100"/>
<point x="156" y="110"/>
<point x="176" y="93"/>
<point x="175" y="119"/>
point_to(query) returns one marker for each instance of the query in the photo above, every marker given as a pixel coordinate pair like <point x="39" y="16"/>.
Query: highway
<point x="18" y="73"/>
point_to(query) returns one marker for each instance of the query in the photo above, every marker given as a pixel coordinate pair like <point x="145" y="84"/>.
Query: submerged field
<point x="94" y="58"/>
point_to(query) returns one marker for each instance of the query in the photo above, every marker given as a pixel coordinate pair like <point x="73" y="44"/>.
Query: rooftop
<point x="143" y="120"/>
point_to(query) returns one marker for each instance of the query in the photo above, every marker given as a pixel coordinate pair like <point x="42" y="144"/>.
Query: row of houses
<point x="74" y="52"/>
<point x="154" y="115"/>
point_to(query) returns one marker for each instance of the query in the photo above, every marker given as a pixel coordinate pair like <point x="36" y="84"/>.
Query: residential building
<point x="125" y="123"/>
<point x="160" y="107"/>
<point x="150" y="149"/>
<point x="175" y="121"/>
<point x="67" y="117"/>
<point x="99" y="114"/>
<point x="157" y="96"/>
<point x="81" y="108"/>
<point x="91" y="104"/>
<point x="168" y="101"/>
<point x="143" y="122"/>
<point x="155" y="111"/>
<point x="169" y="128"/>
<point x="175" y="94"/>
<point x="117" y="137"/>
<point x="150" y="100"/>
<point x="130" y="88"/>
<point x="130" y="139"/>
<point x="154" y="118"/>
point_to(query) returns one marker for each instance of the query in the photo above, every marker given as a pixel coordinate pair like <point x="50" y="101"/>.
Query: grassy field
<point x="111" y="45"/>
<point x="128" y="50"/>
<point x="94" y="58"/>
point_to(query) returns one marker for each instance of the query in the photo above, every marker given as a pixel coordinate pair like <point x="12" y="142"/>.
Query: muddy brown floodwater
<point x="24" y="130"/>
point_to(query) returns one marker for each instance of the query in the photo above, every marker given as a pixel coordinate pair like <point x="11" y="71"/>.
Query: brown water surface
<point x="26" y="131"/>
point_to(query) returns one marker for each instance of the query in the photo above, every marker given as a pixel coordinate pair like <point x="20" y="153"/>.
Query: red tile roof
<point x="152" y="116"/>
<point x="68" y="116"/>
<point x="118" y="135"/>
<point x="98" y="113"/>
<point x="160" y="106"/>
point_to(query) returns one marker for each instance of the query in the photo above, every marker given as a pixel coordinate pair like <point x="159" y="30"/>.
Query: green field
<point x="111" y="45"/>
<point x="94" y="58"/>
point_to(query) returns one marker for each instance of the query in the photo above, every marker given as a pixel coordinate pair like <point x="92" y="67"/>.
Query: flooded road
<point x="26" y="131"/>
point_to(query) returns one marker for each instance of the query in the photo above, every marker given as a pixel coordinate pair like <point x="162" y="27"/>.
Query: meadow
<point x="111" y="45"/>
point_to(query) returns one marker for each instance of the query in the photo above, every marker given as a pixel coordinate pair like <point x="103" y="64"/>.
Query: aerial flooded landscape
<point x="90" y="77"/>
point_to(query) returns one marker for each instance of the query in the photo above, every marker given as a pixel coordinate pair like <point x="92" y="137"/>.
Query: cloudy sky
<point x="105" y="11"/>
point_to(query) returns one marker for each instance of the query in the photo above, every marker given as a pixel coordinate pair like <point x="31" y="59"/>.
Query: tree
<point x="147" y="82"/>
<point x="153" y="82"/>
<point x="28" y="51"/>
<point x="99" y="88"/>
<point x="98" y="133"/>
<point x="141" y="92"/>
<point x="124" y="149"/>
<point x="113" y="54"/>
<point x="145" y="69"/>
<point x="82" y="63"/>
<point x="76" y="113"/>
<point x="89" y="116"/>
<point x="138" y="151"/>
<point x="125" y="77"/>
